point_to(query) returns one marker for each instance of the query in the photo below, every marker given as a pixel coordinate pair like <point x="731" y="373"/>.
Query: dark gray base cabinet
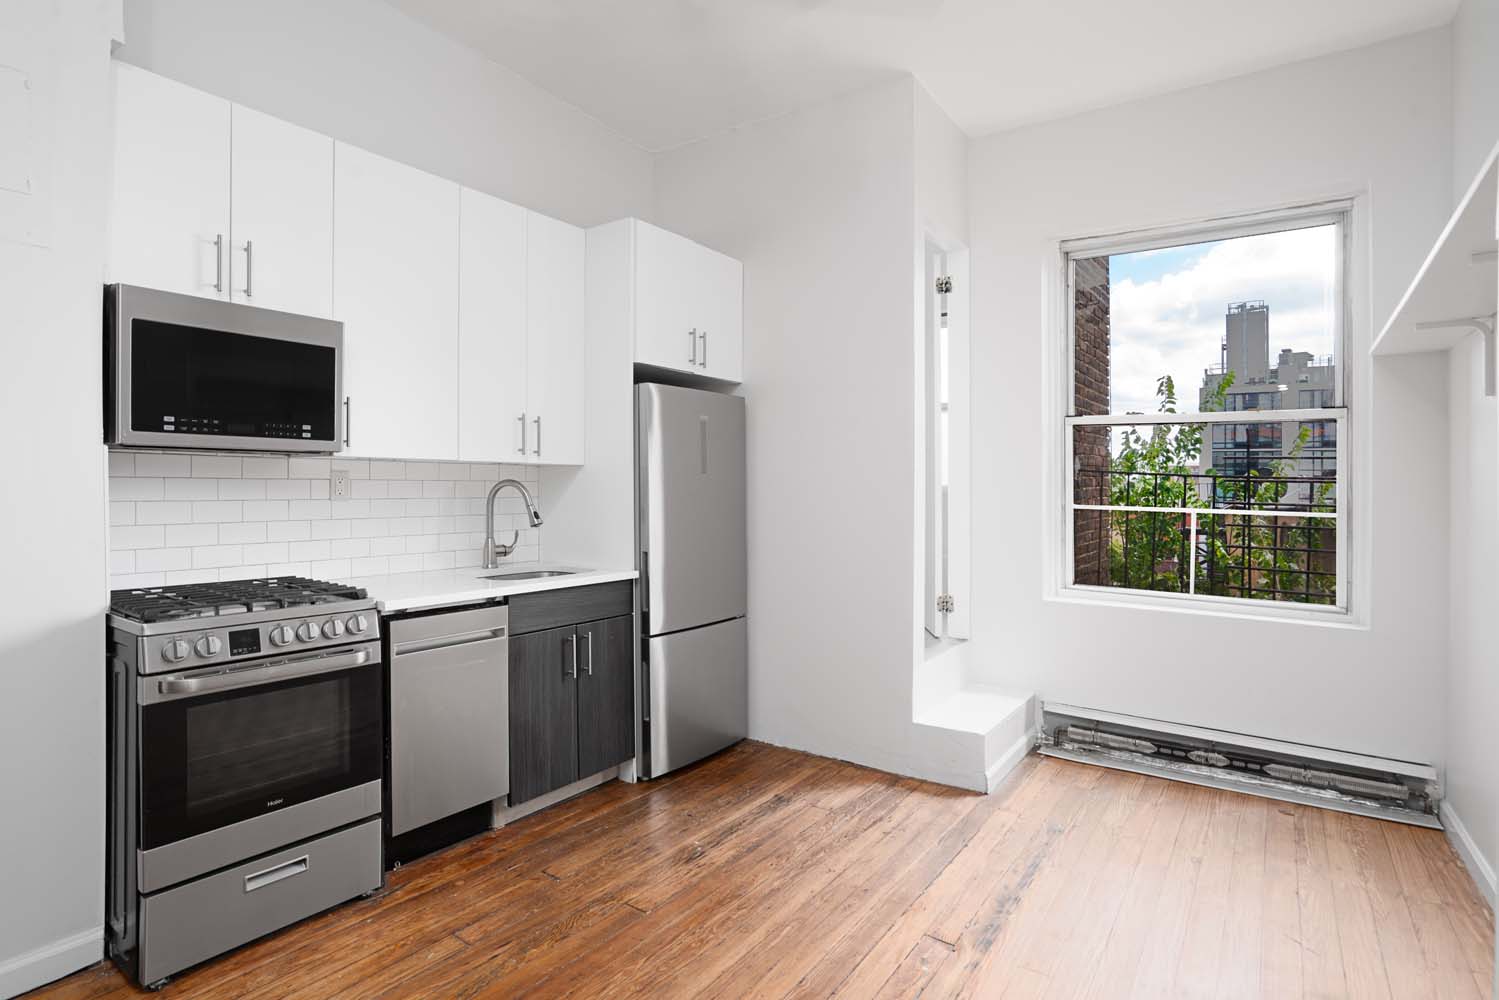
<point x="572" y="704"/>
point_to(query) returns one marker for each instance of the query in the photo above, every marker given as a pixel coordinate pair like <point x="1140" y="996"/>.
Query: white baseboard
<point x="1008" y="761"/>
<point x="1479" y="868"/>
<point x="51" y="961"/>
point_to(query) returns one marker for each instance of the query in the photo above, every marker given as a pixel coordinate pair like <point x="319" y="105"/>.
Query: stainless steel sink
<point x="529" y="574"/>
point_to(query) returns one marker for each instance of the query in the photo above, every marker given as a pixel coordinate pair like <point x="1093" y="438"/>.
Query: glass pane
<point x="1279" y="470"/>
<point x="1238" y="324"/>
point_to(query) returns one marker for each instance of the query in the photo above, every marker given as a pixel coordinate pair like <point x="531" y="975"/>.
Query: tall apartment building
<point x="1297" y="380"/>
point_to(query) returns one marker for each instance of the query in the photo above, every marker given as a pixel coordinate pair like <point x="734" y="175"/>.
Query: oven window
<point x="188" y="380"/>
<point x="218" y="759"/>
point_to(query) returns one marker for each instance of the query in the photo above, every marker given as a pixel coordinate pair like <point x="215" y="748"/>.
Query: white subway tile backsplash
<point x="136" y="536"/>
<point x="154" y="464"/>
<point x="241" y="489"/>
<point x="308" y="468"/>
<point x="288" y="489"/>
<point x="192" y="489"/>
<point x="266" y="510"/>
<point x="163" y="512"/>
<point x="288" y="531"/>
<point x="181" y="518"/>
<point x="265" y="467"/>
<point x="192" y="534"/>
<point x="242" y="533"/>
<point x="132" y="487"/>
<point x="218" y="510"/>
<point x="307" y="509"/>
<point x="217" y="466"/>
<point x="157" y="560"/>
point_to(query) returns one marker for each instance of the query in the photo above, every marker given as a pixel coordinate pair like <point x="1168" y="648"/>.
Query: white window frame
<point x="1349" y="322"/>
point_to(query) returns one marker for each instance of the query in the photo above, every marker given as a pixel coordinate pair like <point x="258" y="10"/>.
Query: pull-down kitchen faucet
<point x="494" y="553"/>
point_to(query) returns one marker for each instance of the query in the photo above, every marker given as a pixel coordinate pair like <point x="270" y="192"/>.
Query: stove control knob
<point x="333" y="628"/>
<point x="210" y="645"/>
<point x="307" y="631"/>
<point x="359" y="624"/>
<point x="175" y="650"/>
<point x="281" y="635"/>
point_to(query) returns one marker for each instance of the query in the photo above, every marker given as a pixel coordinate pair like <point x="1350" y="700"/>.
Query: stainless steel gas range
<point x="246" y="747"/>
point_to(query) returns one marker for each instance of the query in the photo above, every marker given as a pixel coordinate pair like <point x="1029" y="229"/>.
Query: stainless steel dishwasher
<point x="449" y="714"/>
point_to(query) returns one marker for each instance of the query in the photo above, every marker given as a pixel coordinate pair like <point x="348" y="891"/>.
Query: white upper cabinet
<point x="282" y="215"/>
<point x="688" y="305"/>
<point x="395" y="281"/>
<point x="170" y="208"/>
<point x="492" y="418"/>
<point x="555" y="387"/>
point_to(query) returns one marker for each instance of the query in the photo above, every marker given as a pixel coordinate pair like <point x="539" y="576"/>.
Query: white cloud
<point x="1174" y="324"/>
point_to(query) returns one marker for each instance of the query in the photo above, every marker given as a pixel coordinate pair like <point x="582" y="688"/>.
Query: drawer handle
<point x="271" y="876"/>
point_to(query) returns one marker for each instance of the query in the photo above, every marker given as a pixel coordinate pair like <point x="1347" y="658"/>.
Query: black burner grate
<point x="230" y="597"/>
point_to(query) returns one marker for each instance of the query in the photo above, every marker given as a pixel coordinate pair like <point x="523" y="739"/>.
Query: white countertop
<point x="437" y="588"/>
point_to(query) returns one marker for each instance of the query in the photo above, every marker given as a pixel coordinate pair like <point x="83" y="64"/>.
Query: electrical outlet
<point x="340" y="483"/>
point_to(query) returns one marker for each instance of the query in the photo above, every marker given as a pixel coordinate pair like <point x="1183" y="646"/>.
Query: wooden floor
<point x="767" y="873"/>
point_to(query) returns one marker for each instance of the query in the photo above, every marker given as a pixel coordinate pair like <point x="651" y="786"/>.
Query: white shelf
<point x="1459" y="280"/>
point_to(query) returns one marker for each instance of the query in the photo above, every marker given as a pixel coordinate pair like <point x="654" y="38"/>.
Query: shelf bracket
<point x="1485" y="326"/>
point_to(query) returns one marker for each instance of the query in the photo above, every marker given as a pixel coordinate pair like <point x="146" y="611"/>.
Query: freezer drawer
<point x="194" y="922"/>
<point x="449" y="714"/>
<point x="699" y="693"/>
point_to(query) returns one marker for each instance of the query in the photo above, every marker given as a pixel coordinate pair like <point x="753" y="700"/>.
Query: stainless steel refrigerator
<point x="689" y="485"/>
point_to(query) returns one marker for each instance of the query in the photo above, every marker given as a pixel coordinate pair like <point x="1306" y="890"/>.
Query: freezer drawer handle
<point x="692" y="346"/>
<point x="286" y="870"/>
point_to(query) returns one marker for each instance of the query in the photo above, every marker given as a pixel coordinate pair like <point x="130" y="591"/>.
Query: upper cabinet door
<point x="688" y="305"/>
<point x="666" y="314"/>
<point x="395" y="282"/>
<point x="170" y="210"/>
<point x="719" y="294"/>
<point x="282" y="204"/>
<point x="492" y="417"/>
<point x="555" y="387"/>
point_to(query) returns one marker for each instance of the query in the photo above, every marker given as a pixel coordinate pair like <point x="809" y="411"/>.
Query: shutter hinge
<point x="946" y="604"/>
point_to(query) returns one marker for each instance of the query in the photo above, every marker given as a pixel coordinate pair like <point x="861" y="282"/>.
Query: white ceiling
<point x="665" y="72"/>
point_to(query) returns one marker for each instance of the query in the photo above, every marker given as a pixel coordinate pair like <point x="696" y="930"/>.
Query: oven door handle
<point x="184" y="687"/>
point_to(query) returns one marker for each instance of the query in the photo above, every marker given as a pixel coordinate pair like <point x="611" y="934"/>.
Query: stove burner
<point x="232" y="597"/>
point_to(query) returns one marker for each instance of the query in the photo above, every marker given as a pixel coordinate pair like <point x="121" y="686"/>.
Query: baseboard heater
<point x="1353" y="783"/>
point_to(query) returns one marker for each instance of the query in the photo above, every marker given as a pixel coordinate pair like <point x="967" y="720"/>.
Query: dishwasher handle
<point x="447" y="641"/>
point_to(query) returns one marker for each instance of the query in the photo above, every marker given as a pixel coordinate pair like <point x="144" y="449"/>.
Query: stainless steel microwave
<point x="188" y="372"/>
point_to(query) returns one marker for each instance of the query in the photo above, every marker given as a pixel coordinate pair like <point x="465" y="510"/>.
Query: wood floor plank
<point x="763" y="872"/>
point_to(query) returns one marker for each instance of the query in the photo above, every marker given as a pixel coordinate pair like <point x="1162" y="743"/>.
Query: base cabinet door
<point x="543" y="712"/>
<point x="606" y="694"/>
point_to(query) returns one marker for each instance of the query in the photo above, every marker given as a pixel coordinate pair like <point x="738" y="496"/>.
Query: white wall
<point x="1475" y="88"/>
<point x="52" y="577"/>
<point x="1374" y="120"/>
<point x="820" y="207"/>
<point x="367" y="74"/>
<point x="1473" y="682"/>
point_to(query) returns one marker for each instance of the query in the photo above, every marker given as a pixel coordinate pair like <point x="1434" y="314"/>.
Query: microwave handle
<point x="168" y="688"/>
<point x="347" y="409"/>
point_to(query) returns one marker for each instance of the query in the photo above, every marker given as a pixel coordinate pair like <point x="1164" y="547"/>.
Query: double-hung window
<point x="1206" y="411"/>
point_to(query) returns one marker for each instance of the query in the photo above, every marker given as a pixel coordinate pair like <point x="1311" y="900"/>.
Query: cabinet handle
<point x="249" y="268"/>
<point x="704" y="362"/>
<point x="538" y="436"/>
<point x="589" y="633"/>
<point x="218" y="262"/>
<point x="347" y="410"/>
<point x="692" y="346"/>
<point x="522" y="419"/>
<point x="572" y="641"/>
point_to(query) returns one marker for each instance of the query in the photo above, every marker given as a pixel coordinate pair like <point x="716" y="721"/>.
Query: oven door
<point x="235" y="763"/>
<point x="191" y="372"/>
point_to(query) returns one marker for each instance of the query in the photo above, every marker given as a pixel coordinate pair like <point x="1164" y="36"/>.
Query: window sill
<point x="1213" y="607"/>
